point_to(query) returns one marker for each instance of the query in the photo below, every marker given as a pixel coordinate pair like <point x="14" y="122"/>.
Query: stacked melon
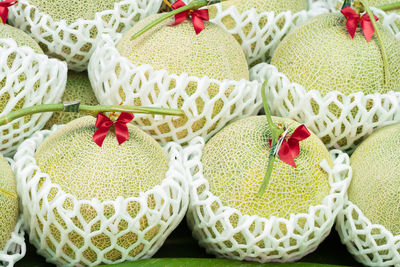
<point x="251" y="28"/>
<point x="8" y="203"/>
<point x="68" y="29"/>
<point x="376" y="176"/>
<point x="369" y="225"/>
<point x="227" y="214"/>
<point x="235" y="162"/>
<point x="204" y="74"/>
<point x="321" y="56"/>
<point x="333" y="82"/>
<point x="101" y="204"/>
<point x="23" y="84"/>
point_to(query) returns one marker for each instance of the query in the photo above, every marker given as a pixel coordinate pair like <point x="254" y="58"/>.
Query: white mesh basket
<point x="75" y="42"/>
<point x="33" y="79"/>
<point x="149" y="87"/>
<point x="266" y="242"/>
<point x="371" y="244"/>
<point x="15" y="248"/>
<point x="145" y="232"/>
<point x="361" y="114"/>
<point x="259" y="42"/>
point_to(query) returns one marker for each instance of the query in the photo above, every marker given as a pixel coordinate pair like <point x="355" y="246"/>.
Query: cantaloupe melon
<point x="72" y="10"/>
<point x="267" y="5"/>
<point x="260" y="6"/>
<point x="213" y="53"/>
<point x="83" y="169"/>
<point x="22" y="39"/>
<point x="375" y="184"/>
<point x="322" y="56"/>
<point x="235" y="162"/>
<point x="78" y="88"/>
<point x="8" y="202"/>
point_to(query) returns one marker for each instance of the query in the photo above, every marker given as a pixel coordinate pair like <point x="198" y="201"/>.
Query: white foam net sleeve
<point x="32" y="79"/>
<point x="360" y="113"/>
<point x="260" y="33"/>
<point x="60" y="232"/>
<point x="116" y="80"/>
<point x="370" y="244"/>
<point x="75" y="42"/>
<point x="265" y="239"/>
<point x="15" y="249"/>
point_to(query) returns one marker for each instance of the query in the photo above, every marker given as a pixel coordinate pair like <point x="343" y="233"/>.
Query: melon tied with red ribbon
<point x="228" y="215"/>
<point x="341" y="87"/>
<point x="90" y="199"/>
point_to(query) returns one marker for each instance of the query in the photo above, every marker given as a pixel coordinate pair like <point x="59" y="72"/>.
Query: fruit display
<point x="27" y="78"/>
<point x="175" y="132"/>
<point x="373" y="200"/>
<point x="91" y="205"/>
<point x="68" y="29"/>
<point x="343" y="104"/>
<point x="210" y="83"/>
<point x="230" y="219"/>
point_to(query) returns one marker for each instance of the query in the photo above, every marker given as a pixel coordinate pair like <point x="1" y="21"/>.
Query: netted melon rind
<point x="43" y="83"/>
<point x="75" y="42"/>
<point x="170" y="205"/>
<point x="260" y="33"/>
<point x="15" y="249"/>
<point x="265" y="239"/>
<point x="370" y="244"/>
<point x="240" y="98"/>
<point x="361" y="114"/>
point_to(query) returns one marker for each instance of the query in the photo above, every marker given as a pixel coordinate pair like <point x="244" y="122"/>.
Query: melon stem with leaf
<point x="86" y="109"/>
<point x="275" y="132"/>
<point x="196" y="4"/>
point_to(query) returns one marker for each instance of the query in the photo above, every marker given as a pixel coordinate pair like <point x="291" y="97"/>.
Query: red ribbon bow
<point x="4" y="5"/>
<point x="290" y="148"/>
<point x="103" y="125"/>
<point x="198" y="16"/>
<point x="352" y="22"/>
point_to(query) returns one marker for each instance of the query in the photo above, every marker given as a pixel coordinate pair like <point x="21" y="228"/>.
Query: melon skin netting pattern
<point x="51" y="224"/>
<point x="265" y="239"/>
<point x="76" y="42"/>
<point x="44" y="83"/>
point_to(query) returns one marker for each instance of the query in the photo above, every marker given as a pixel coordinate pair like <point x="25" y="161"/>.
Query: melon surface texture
<point x="267" y="5"/>
<point x="375" y="186"/>
<point x="22" y="39"/>
<point x="213" y="53"/>
<point x="8" y="202"/>
<point x="72" y="10"/>
<point x="321" y="55"/>
<point x="235" y="162"/>
<point x="86" y="171"/>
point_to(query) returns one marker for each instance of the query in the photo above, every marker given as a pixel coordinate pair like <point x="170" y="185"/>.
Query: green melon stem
<point x="275" y="133"/>
<point x="379" y="37"/>
<point x="389" y="7"/>
<point x="86" y="110"/>
<point x="195" y="4"/>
